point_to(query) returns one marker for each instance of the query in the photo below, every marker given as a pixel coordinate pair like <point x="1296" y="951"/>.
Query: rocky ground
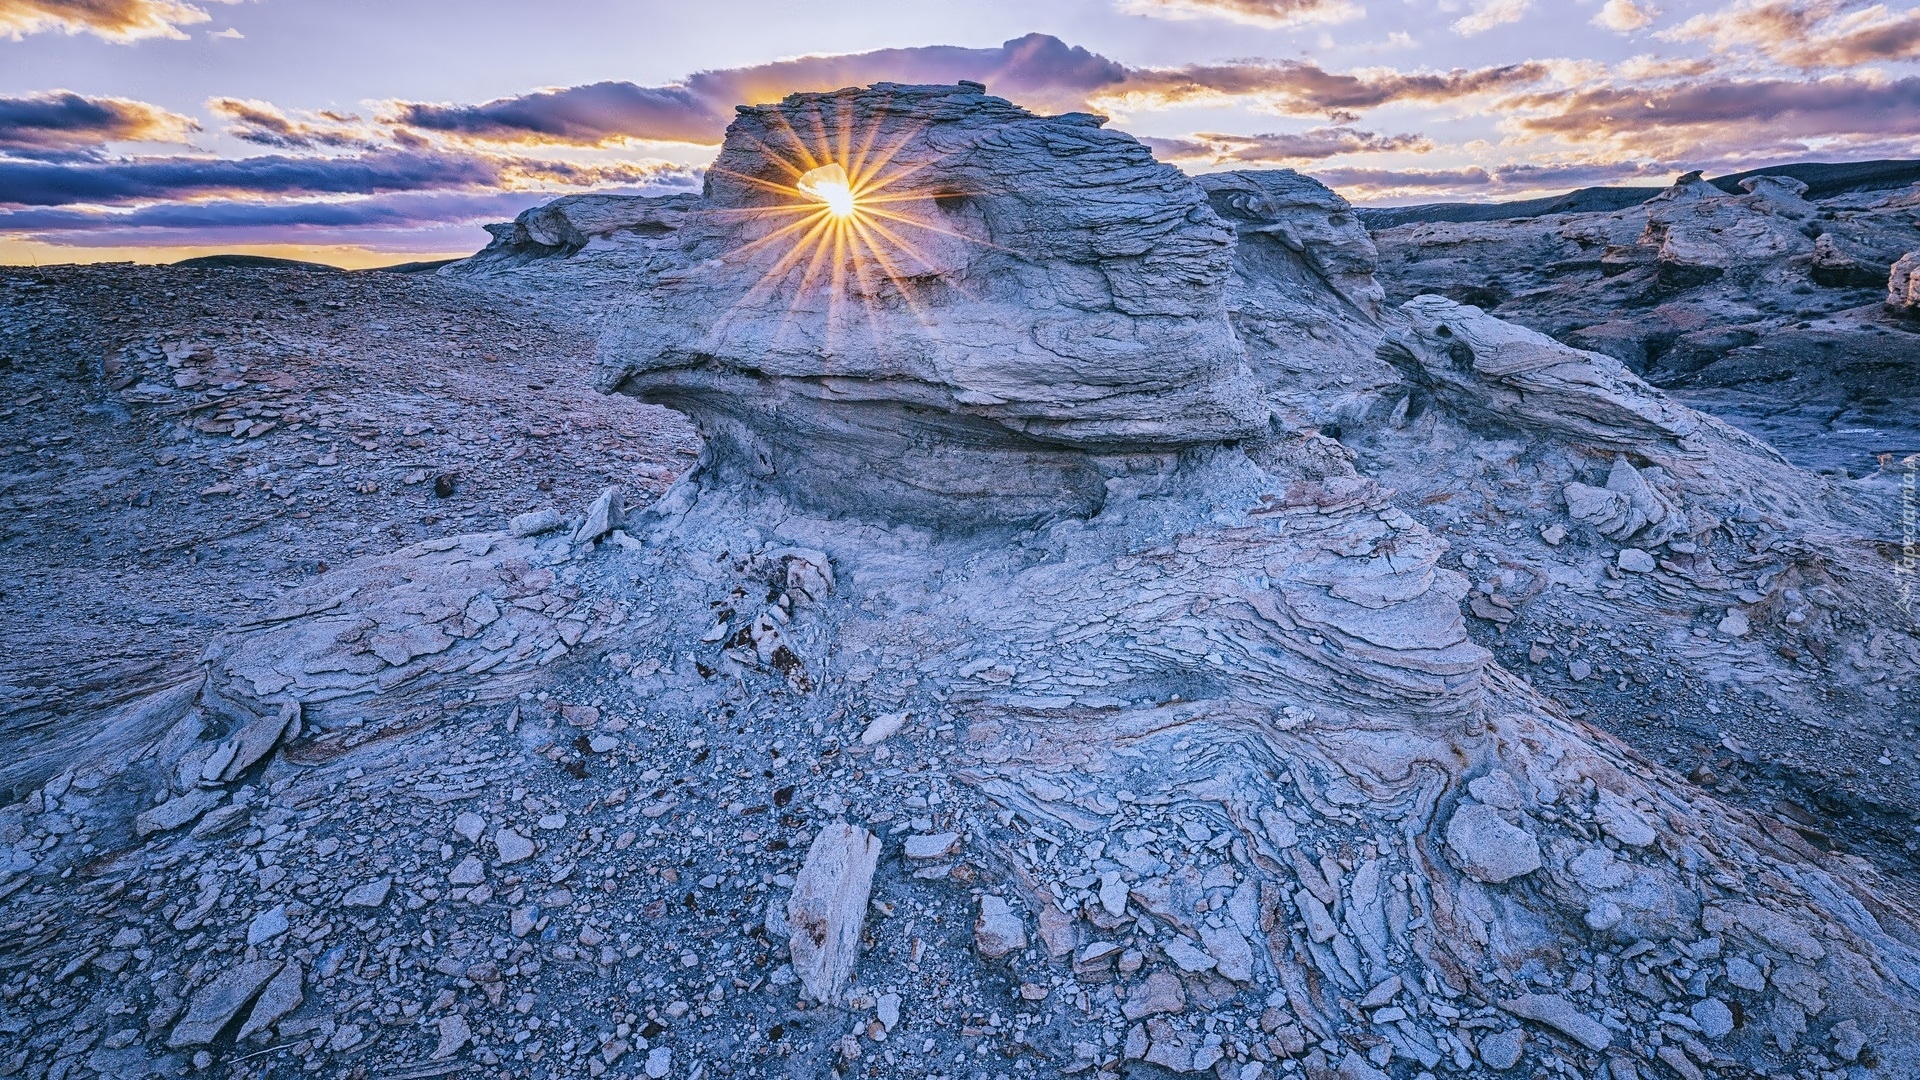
<point x="187" y="444"/>
<point x="1770" y="311"/>
<point x="327" y="752"/>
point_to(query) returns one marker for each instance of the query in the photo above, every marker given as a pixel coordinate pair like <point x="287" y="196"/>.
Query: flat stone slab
<point x="1489" y="849"/>
<point x="1560" y="1014"/>
<point x="372" y="894"/>
<point x="216" y="1004"/>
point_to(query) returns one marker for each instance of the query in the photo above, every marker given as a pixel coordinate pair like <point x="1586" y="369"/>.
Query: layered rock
<point x="1757" y="306"/>
<point x="1303" y="298"/>
<point x="1023" y="300"/>
<point x="1160" y="606"/>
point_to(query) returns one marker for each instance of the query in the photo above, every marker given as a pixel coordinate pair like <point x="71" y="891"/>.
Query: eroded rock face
<point x="1236" y="668"/>
<point x="1762" y="307"/>
<point x="1017" y="301"/>
<point x="1303" y="296"/>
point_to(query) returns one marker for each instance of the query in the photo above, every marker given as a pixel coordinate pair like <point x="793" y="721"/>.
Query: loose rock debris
<point x="1198" y="768"/>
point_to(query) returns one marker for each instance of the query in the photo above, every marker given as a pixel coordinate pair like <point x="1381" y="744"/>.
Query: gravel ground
<point x="564" y="884"/>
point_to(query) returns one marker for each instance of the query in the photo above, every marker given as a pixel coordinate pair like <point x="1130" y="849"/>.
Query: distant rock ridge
<point x="1822" y="179"/>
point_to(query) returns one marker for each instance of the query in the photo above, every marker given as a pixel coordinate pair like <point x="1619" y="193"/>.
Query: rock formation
<point x="1754" y="305"/>
<point x="1199" y="616"/>
<point x="1903" y="284"/>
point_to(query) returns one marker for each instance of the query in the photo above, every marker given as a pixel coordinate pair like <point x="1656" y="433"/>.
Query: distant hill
<point x="268" y="262"/>
<point x="1822" y="179"/>
<point x="255" y="262"/>
<point x="423" y="267"/>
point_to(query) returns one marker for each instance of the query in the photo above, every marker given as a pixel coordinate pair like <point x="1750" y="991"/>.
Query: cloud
<point x="264" y="124"/>
<point x="115" y="20"/>
<point x="402" y="222"/>
<point x="1037" y="67"/>
<point x="1560" y="176"/>
<point x="32" y="183"/>
<point x="1267" y="13"/>
<point x="1301" y="88"/>
<point x="1404" y="179"/>
<point x="229" y="34"/>
<point x="1315" y="144"/>
<point x="1488" y="14"/>
<point x="1502" y="181"/>
<point x="397" y="211"/>
<point x="63" y="122"/>
<point x="1808" y="34"/>
<point x="1038" y="70"/>
<point x="1625" y="16"/>
<point x="599" y="114"/>
<point x="1716" y="115"/>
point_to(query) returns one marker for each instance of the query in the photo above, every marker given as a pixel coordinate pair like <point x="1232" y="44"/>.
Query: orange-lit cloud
<point x="1268" y="13"/>
<point x="1315" y="144"/>
<point x="1808" y="34"/>
<point x="114" y="20"/>
<point x="265" y="124"/>
<point x="1625" y="16"/>
<point x="63" y="122"/>
<point x="1487" y="14"/>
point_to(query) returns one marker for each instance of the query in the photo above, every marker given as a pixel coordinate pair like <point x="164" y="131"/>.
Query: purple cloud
<point x="63" y="122"/>
<point x="31" y="183"/>
<point x="1037" y="70"/>
<point x="1680" y="119"/>
<point x="264" y="124"/>
<point x="1314" y="144"/>
<point x="1808" y="34"/>
<point x="1389" y="179"/>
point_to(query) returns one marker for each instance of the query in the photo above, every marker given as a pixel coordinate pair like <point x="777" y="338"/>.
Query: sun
<point x="829" y="185"/>
<point x="848" y="216"/>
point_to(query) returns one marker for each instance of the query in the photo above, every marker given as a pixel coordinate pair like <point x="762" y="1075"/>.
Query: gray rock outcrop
<point x="1903" y="284"/>
<point x="1217" y="717"/>
<point x="1760" y="306"/>
<point x="1030" y="300"/>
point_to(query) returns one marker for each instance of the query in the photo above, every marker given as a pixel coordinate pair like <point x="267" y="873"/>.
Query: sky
<point x="365" y="133"/>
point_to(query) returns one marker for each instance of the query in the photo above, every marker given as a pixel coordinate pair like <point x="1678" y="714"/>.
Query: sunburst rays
<point x="851" y="221"/>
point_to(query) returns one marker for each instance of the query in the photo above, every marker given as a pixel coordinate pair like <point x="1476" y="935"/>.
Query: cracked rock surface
<point x="1205" y="710"/>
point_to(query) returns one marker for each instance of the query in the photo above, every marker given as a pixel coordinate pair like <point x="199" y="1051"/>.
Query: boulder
<point x="1094" y="330"/>
<point x="997" y="930"/>
<point x="1488" y="848"/>
<point x="1903" y="285"/>
<point x="216" y="1004"/>
<point x="1835" y="267"/>
<point x="828" y="908"/>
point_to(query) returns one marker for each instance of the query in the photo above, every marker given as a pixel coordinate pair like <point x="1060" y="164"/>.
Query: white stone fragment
<point x="512" y="847"/>
<point x="883" y="726"/>
<point x="828" y="908"/>
<point x="535" y="522"/>
<point x="1489" y="849"/>
<point x="1560" y="1014"/>
<point x="998" y="931"/>
<point x="1636" y="561"/>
